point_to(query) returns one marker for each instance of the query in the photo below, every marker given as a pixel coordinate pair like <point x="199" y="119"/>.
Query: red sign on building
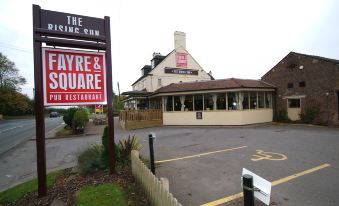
<point x="181" y="59"/>
<point x="73" y="77"/>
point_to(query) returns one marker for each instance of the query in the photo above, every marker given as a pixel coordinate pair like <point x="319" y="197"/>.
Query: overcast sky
<point x="242" y="39"/>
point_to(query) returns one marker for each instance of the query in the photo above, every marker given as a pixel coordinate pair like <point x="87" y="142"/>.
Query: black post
<point x="151" y="151"/>
<point x="109" y="77"/>
<point x="247" y="181"/>
<point x="39" y="107"/>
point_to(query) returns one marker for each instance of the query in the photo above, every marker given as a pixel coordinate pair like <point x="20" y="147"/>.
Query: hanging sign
<point x="73" y="77"/>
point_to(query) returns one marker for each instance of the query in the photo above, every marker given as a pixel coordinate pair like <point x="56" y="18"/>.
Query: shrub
<point x="105" y="154"/>
<point x="80" y="119"/>
<point x="68" y="116"/>
<point x="90" y="160"/>
<point x="127" y="145"/>
<point x="122" y="150"/>
<point x="309" y="115"/>
<point x="282" y="116"/>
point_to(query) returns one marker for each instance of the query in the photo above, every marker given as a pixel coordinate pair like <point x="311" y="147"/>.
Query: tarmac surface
<point x="204" y="164"/>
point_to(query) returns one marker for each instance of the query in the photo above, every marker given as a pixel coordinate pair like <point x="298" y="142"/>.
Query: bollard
<point x="247" y="182"/>
<point x="151" y="138"/>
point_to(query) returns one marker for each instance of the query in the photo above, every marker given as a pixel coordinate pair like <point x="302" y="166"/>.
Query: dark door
<point x="338" y="104"/>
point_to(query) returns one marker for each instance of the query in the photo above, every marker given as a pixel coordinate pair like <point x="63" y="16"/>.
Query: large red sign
<point x="181" y="59"/>
<point x="73" y="77"/>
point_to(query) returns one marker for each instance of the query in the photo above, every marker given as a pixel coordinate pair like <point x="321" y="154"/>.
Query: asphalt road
<point x="14" y="132"/>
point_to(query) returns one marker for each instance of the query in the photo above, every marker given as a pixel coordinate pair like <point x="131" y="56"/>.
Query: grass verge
<point x="106" y="194"/>
<point x="13" y="194"/>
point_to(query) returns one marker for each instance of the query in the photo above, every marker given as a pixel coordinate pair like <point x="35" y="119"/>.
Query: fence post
<point x="165" y="183"/>
<point x="247" y="181"/>
<point x="151" y="137"/>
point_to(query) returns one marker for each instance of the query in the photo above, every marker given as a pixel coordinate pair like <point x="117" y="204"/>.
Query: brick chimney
<point x="179" y="39"/>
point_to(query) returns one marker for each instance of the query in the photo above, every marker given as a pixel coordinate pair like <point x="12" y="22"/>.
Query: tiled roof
<point x="231" y="83"/>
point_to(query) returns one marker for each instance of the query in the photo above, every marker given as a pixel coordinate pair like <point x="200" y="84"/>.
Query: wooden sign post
<point x="55" y="69"/>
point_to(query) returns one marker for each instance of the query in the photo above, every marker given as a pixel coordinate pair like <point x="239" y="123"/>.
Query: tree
<point x="14" y="103"/>
<point x="9" y="75"/>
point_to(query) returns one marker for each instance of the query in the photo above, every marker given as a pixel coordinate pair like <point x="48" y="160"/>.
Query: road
<point x="14" y="132"/>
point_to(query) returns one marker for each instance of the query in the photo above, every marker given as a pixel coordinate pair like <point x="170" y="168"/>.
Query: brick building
<point x="306" y="81"/>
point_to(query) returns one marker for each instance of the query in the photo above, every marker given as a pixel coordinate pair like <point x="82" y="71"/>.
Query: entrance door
<point x="293" y="109"/>
<point x="338" y="104"/>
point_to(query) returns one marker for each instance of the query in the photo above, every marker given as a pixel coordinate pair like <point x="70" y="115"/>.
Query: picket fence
<point x="157" y="192"/>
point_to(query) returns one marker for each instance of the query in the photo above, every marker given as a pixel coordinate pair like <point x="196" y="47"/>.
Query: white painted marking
<point x="5" y="130"/>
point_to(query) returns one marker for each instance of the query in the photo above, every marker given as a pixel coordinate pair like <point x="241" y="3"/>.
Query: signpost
<point x="261" y="187"/>
<point x="70" y="77"/>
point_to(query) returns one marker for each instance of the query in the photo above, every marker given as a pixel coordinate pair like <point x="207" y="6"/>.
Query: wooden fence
<point x="133" y="119"/>
<point x="157" y="192"/>
<point x="140" y="115"/>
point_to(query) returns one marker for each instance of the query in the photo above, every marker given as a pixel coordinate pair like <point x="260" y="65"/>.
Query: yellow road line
<point x="291" y="177"/>
<point x="199" y="155"/>
<point x="274" y="183"/>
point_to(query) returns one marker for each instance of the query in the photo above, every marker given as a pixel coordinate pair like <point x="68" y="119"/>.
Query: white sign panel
<point x="262" y="187"/>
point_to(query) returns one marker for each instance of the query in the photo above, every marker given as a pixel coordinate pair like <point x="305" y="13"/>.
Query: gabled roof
<point x="162" y="59"/>
<point x="231" y="83"/>
<point x="317" y="57"/>
<point x="305" y="55"/>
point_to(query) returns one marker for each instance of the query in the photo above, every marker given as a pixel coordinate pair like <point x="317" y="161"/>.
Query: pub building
<point x="188" y="95"/>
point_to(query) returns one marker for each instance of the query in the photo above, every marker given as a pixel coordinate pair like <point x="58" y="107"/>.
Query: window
<point x="302" y="84"/>
<point x="253" y="100"/>
<point x="208" y="102"/>
<point x="261" y="99"/>
<point x="198" y="102"/>
<point x="189" y="103"/>
<point x="232" y="100"/>
<point x="289" y="85"/>
<point x="245" y="101"/>
<point x="221" y="101"/>
<point x="177" y="103"/>
<point x="293" y="103"/>
<point x="169" y="103"/>
<point x="268" y="99"/>
<point x="159" y="82"/>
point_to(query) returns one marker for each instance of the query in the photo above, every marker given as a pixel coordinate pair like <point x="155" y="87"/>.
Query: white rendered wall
<point x="221" y="117"/>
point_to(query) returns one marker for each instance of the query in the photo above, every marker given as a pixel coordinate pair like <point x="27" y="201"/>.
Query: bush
<point x="122" y="150"/>
<point x="282" y="116"/>
<point x="80" y="119"/>
<point x="127" y="145"/>
<point x="90" y="160"/>
<point x="309" y="115"/>
<point x="105" y="153"/>
<point x="68" y="116"/>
